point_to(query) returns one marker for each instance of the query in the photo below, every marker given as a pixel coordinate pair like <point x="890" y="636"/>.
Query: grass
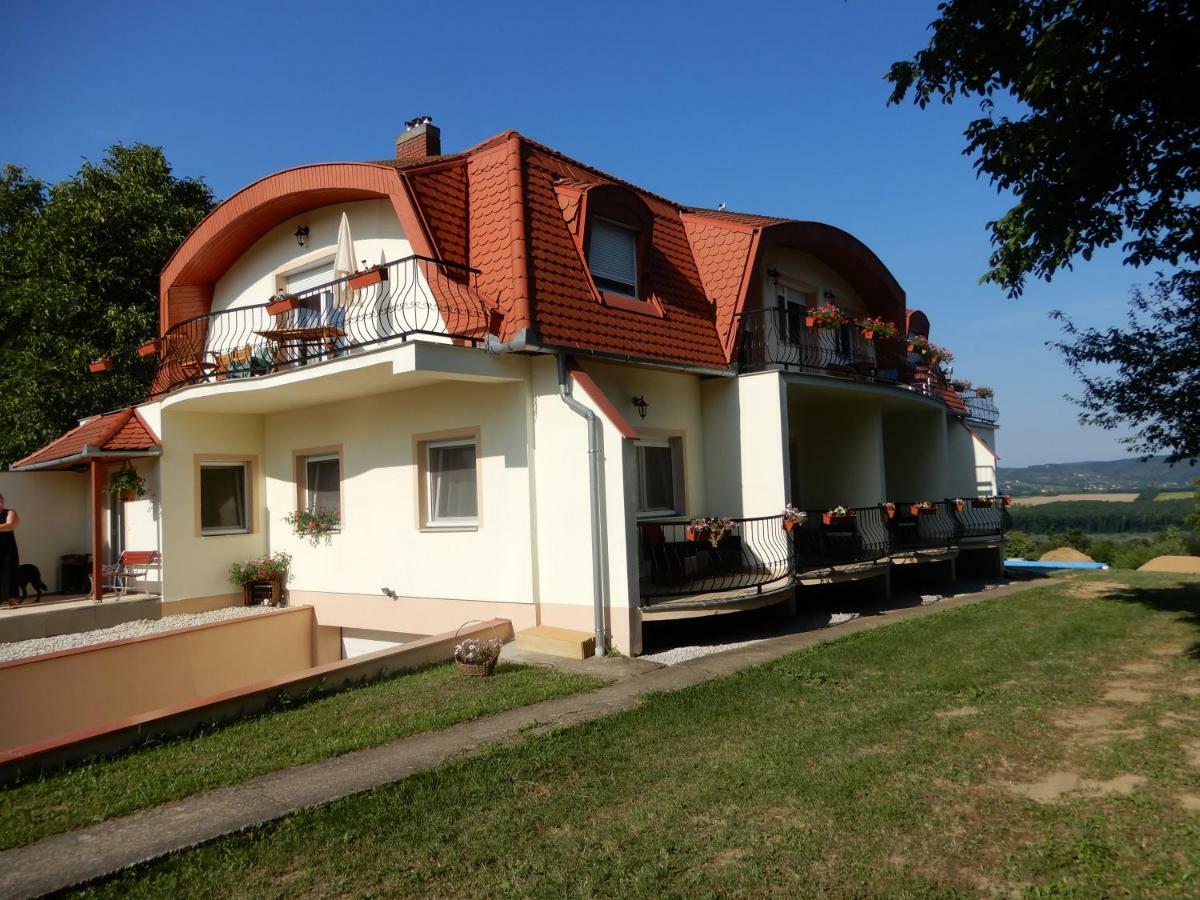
<point x="886" y="763"/>
<point x="1174" y="495"/>
<point x="364" y="716"/>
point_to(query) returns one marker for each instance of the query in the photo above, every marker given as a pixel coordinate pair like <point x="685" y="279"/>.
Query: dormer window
<point x="612" y="256"/>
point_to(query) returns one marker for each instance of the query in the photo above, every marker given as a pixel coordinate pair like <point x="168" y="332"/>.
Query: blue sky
<point x="771" y="108"/>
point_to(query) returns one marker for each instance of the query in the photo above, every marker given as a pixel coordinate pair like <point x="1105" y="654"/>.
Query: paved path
<point x="65" y="860"/>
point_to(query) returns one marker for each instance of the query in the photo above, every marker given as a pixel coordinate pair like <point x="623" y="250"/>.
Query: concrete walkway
<point x="65" y="860"/>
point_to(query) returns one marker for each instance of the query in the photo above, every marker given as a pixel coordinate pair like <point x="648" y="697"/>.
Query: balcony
<point x="980" y="408"/>
<point x="415" y="296"/>
<point x="684" y="573"/>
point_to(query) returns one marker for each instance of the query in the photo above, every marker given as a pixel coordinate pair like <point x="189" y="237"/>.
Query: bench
<point x="130" y="566"/>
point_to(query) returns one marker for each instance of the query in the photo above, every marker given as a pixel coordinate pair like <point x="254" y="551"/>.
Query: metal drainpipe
<point x="594" y="462"/>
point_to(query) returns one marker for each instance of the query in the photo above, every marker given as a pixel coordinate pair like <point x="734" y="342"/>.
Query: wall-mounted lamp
<point x="773" y="274"/>
<point x="642" y="406"/>
<point x="301" y="235"/>
<point x="828" y="295"/>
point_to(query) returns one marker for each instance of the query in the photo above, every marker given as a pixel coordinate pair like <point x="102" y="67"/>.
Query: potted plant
<point x="982" y="503"/>
<point x="368" y="277"/>
<point x="148" y="349"/>
<point x="960" y="384"/>
<point x="713" y="529"/>
<point x="271" y="572"/>
<point x="281" y="303"/>
<point x="793" y="517"/>
<point x="477" y="657"/>
<point x="314" y="524"/>
<point x="924" y="508"/>
<point x="876" y="328"/>
<point x="889" y="509"/>
<point x="838" y="517"/>
<point x="1006" y="499"/>
<point x="958" y="504"/>
<point x="827" y="316"/>
<point x="984" y="392"/>
<point x="103" y="364"/>
<point x="127" y="484"/>
<point x="937" y="353"/>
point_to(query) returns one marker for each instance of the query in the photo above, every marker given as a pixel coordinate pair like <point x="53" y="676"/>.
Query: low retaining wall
<point x="248" y="699"/>
<point x="49" y="620"/>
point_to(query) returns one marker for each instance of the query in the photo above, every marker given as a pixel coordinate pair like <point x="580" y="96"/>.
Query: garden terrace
<point x="413" y="296"/>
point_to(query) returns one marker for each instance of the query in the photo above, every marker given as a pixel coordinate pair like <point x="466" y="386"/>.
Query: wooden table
<point x="324" y="336"/>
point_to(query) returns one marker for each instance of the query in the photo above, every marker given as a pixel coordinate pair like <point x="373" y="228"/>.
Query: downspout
<point x="594" y="462"/>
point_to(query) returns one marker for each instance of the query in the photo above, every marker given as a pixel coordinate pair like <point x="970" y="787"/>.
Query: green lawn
<point x="363" y="716"/>
<point x="901" y="761"/>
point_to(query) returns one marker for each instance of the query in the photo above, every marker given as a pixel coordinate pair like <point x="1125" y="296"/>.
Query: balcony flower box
<point x="713" y="529"/>
<point x="922" y="509"/>
<point x="875" y="328"/>
<point x="148" y="349"/>
<point x="838" y="517"/>
<point x="262" y="579"/>
<point x="103" y="364"/>
<point x="958" y="504"/>
<point x="368" y="278"/>
<point x="283" y="303"/>
<point x="889" y="509"/>
<point x="1006" y="500"/>
<point x="793" y="517"/>
<point x="827" y="316"/>
<point x="982" y="503"/>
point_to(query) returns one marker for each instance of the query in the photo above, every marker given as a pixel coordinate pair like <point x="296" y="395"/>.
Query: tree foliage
<point x="1102" y="147"/>
<point x="79" y="266"/>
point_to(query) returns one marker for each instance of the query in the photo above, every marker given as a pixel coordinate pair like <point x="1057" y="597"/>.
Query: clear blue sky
<point x="771" y="108"/>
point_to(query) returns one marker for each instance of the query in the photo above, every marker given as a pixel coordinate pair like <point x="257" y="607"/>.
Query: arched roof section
<point x="229" y="230"/>
<point x="852" y="259"/>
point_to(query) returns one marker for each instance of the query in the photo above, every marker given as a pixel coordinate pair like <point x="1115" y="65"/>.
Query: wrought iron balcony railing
<point x="824" y="541"/>
<point x="983" y="518"/>
<point x="917" y="526"/>
<point x="412" y="296"/>
<point x="981" y="408"/>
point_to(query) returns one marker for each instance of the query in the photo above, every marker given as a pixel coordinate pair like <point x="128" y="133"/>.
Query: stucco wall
<point x="836" y="454"/>
<point x="54" y="509"/>
<point x="971" y="460"/>
<point x="915" y="455"/>
<point x="797" y="266"/>
<point x="376" y="232"/>
<point x="195" y="565"/>
<point x="93" y="686"/>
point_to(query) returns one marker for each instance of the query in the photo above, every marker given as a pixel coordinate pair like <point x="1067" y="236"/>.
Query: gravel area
<point x="136" y="628"/>
<point x="801" y="623"/>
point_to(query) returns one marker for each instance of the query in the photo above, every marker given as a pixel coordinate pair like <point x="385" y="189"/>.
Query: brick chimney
<point x="421" y="139"/>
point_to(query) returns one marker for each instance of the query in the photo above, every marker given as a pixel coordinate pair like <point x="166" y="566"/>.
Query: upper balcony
<point x="391" y="303"/>
<point x="780" y="338"/>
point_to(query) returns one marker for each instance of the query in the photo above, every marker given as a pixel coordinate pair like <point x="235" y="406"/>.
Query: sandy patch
<point x="1192" y="750"/>
<point x="1057" y="785"/>
<point x="1090" y="717"/>
<point x="1146" y="667"/>
<point x="1065" y="554"/>
<point x="1188" y="690"/>
<point x="1175" y="720"/>
<point x="1186" y="564"/>
<point x="958" y="713"/>
<point x="1169" y="650"/>
<point x="1043" y="499"/>
<point x="1125" y="693"/>
<point x="1190" y="802"/>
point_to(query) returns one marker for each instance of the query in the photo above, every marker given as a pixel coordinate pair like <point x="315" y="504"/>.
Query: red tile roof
<point x="124" y="430"/>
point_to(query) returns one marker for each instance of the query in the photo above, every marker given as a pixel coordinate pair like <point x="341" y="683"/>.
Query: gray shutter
<point x="612" y="253"/>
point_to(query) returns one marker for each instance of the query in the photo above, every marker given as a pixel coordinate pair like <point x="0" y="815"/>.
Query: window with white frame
<point x="224" y="498"/>
<point x="322" y="483"/>
<point x="795" y="303"/>
<point x="451" y="483"/>
<point x="660" y="477"/>
<point x="612" y="256"/>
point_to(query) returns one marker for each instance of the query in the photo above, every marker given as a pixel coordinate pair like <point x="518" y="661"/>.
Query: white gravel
<point x="136" y="628"/>
<point x="681" y="654"/>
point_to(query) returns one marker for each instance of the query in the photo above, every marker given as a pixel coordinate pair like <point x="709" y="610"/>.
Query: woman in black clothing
<point x="9" y="560"/>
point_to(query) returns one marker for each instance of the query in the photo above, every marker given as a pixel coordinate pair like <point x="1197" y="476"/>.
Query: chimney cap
<point x="418" y="121"/>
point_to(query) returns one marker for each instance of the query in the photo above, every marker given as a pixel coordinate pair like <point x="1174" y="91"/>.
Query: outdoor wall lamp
<point x="773" y="274"/>
<point x="301" y="235"/>
<point x="828" y="295"/>
<point x="642" y="406"/>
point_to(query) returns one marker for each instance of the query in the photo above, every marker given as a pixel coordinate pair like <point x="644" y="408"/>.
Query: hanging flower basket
<point x="982" y="503"/>
<point x="283" y="303"/>
<point x="368" y="278"/>
<point x="127" y="484"/>
<point x="148" y="349"/>
<point x="103" y="364"/>
<point x="838" y="517"/>
<point x="475" y="658"/>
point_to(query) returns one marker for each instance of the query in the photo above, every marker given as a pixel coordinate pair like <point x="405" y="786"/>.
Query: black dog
<point x="28" y="575"/>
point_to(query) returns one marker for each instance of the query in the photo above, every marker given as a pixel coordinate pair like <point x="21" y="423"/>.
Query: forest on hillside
<point x="1103" y="517"/>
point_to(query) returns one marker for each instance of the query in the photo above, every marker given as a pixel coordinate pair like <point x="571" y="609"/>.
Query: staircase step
<point x="557" y="641"/>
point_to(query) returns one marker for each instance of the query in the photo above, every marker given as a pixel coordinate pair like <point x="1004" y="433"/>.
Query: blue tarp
<point x="1030" y="564"/>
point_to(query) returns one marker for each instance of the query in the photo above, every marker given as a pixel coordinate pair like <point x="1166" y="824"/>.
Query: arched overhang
<point x="852" y="259"/>
<point x="186" y="282"/>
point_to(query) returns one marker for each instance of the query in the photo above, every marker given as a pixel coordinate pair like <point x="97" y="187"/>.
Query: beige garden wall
<point x="89" y="687"/>
<point x="54" y="508"/>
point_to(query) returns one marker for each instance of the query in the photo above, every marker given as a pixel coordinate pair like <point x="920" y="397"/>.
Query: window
<point x="451" y="496"/>
<point x="795" y="304"/>
<point x="612" y="257"/>
<point x="223" y="498"/>
<point x="322" y="483"/>
<point x="660" y="481"/>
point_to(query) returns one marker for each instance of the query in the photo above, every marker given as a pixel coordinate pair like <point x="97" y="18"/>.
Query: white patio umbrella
<point x="343" y="261"/>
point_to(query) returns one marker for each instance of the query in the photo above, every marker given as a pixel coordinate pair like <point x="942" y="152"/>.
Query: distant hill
<point x="1100" y="477"/>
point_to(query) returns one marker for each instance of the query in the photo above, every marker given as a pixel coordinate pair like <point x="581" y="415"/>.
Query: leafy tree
<point x="1102" y="147"/>
<point x="79" y="266"/>
<point x="1020" y="546"/>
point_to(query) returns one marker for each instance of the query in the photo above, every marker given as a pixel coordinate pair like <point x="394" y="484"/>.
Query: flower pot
<point x="829" y="519"/>
<point x="809" y="321"/>
<point x="890" y="509"/>
<point x="270" y="591"/>
<point x="125" y="495"/>
<point x="909" y="348"/>
<point x="1006" y="500"/>
<point x="868" y="334"/>
<point x="916" y="509"/>
<point x="982" y="503"/>
<point x="958" y="505"/>
<point x="788" y="524"/>
<point x="148" y="349"/>
<point x="476" y="670"/>
<point x="284" y="305"/>
<point x="368" y="278"/>
<point x="695" y="534"/>
<point x="103" y="364"/>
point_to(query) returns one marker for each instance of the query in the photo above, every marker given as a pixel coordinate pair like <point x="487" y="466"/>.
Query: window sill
<point x="439" y="529"/>
<point x="648" y="307"/>
<point x="225" y="533"/>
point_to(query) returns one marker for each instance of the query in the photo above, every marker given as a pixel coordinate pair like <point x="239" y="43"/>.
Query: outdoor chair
<point x="132" y="565"/>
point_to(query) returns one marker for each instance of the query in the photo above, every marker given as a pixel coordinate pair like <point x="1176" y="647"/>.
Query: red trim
<point x="585" y="381"/>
